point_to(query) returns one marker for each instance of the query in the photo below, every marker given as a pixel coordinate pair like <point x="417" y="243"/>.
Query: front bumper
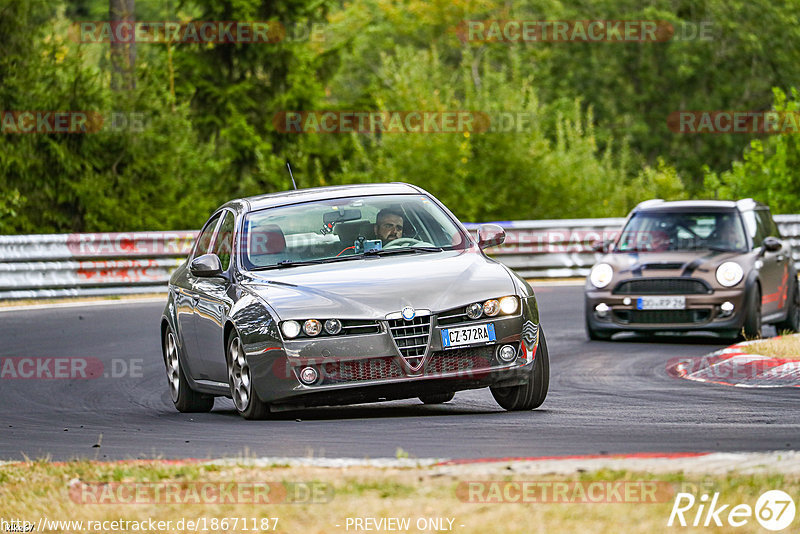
<point x="369" y="367"/>
<point x="702" y="312"/>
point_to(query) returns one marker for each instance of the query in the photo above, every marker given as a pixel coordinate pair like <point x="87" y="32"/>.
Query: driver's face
<point x="389" y="228"/>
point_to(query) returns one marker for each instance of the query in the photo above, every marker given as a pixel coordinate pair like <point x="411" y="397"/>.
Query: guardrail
<point x="60" y="265"/>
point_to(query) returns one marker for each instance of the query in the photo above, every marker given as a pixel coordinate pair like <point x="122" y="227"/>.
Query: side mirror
<point x="490" y="235"/>
<point x="206" y="265"/>
<point x="772" y="244"/>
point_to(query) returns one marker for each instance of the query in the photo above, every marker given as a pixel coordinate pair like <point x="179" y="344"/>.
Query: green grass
<point x="41" y="488"/>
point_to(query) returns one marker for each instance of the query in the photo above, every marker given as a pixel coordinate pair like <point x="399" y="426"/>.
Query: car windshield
<point x="675" y="231"/>
<point x="347" y="228"/>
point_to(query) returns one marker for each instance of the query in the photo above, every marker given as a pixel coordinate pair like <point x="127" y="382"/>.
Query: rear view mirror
<point x="490" y="235"/>
<point x="332" y="217"/>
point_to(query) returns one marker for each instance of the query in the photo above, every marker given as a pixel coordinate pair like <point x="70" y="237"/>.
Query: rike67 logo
<point x="774" y="510"/>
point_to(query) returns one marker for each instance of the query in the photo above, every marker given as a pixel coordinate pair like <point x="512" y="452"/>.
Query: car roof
<point x="321" y="193"/>
<point x="698" y="205"/>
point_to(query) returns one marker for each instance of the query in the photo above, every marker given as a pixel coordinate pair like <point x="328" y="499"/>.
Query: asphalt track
<point x="605" y="397"/>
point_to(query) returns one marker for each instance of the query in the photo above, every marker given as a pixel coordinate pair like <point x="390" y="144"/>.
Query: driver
<point x="389" y="224"/>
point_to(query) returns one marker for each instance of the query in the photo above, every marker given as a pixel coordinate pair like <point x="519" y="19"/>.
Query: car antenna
<point x="290" y="174"/>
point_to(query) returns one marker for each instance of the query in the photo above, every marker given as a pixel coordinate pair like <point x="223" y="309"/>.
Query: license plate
<point x="468" y="335"/>
<point x="661" y="303"/>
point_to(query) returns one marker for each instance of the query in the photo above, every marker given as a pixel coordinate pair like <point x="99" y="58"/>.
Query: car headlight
<point x="312" y="327"/>
<point x="475" y="310"/>
<point x="491" y="308"/>
<point x="333" y="326"/>
<point x="729" y="274"/>
<point x="509" y="305"/>
<point x="601" y="275"/>
<point x="290" y="329"/>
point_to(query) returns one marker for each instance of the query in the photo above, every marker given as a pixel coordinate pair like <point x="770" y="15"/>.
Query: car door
<point x="772" y="264"/>
<point x="187" y="297"/>
<point x="212" y="305"/>
<point x="777" y="264"/>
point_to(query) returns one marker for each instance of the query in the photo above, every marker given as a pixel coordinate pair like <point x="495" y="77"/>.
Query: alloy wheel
<point x="239" y="375"/>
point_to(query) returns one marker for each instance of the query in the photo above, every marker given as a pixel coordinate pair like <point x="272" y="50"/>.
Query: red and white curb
<point x="734" y="366"/>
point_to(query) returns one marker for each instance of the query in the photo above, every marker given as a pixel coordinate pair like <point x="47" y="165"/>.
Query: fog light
<point x="308" y="375"/>
<point x="626" y="301"/>
<point x="312" y="327"/>
<point x="727" y="308"/>
<point x="333" y="326"/>
<point x="601" y="309"/>
<point x="474" y="310"/>
<point x="507" y="353"/>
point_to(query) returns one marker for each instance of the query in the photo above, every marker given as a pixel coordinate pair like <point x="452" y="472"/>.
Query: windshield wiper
<point x="389" y="251"/>
<point x="299" y="263"/>
<point x="385" y="252"/>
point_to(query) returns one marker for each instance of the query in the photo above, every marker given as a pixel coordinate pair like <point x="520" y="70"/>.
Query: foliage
<point x="596" y="143"/>
<point x="768" y="171"/>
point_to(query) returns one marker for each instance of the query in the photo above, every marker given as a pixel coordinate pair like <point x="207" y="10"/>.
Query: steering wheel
<point x="402" y="242"/>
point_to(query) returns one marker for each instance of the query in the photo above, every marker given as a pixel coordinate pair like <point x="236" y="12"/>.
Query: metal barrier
<point x="60" y="265"/>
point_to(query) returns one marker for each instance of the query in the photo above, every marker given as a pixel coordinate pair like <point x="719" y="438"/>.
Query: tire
<point x="751" y="329"/>
<point x="532" y="394"/>
<point x="245" y="399"/>
<point x="437" y="398"/>
<point x="792" y="321"/>
<point x="185" y="399"/>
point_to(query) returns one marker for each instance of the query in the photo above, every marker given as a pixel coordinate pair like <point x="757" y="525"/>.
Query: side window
<point x="769" y="224"/>
<point x="755" y="227"/>
<point x="204" y="240"/>
<point x="765" y="222"/>
<point x="223" y="244"/>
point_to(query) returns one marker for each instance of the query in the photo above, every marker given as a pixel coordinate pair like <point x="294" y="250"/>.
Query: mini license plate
<point x="661" y="303"/>
<point x="468" y="335"/>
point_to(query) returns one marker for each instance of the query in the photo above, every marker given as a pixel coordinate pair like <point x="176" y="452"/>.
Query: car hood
<point x="374" y="287"/>
<point x="697" y="264"/>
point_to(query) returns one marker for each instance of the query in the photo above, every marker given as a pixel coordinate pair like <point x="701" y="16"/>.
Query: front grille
<point x="454" y="316"/>
<point x="459" y="360"/>
<point x="355" y="326"/>
<point x="662" y="316"/>
<point x="662" y="286"/>
<point x="360" y="370"/>
<point x="411" y="337"/>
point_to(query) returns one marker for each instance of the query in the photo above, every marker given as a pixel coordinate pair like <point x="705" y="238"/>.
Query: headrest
<point x="267" y="239"/>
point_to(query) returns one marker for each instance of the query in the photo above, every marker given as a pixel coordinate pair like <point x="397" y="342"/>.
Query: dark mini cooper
<point x="694" y="265"/>
<point x="345" y="295"/>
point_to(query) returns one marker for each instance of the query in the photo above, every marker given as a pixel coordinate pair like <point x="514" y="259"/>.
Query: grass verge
<point x="785" y="347"/>
<point x="39" y="489"/>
